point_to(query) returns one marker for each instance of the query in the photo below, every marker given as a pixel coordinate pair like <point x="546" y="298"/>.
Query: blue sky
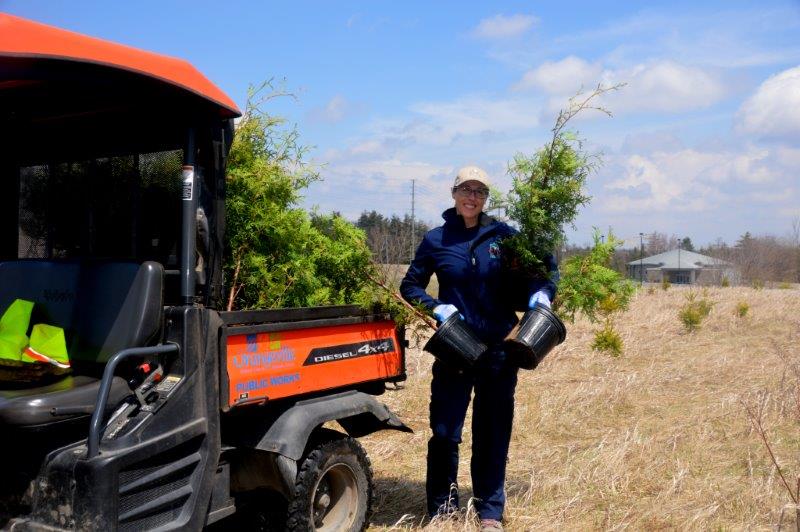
<point x="704" y="142"/>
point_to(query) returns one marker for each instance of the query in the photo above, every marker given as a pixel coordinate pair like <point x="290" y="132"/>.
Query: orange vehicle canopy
<point x="21" y="38"/>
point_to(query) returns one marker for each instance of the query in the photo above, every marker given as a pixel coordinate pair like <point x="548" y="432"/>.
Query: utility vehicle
<point x="175" y="414"/>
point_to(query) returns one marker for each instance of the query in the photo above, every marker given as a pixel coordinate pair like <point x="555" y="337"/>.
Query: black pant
<point x="494" y="382"/>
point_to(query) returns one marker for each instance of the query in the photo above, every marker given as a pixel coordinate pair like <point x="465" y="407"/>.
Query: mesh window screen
<point x="125" y="207"/>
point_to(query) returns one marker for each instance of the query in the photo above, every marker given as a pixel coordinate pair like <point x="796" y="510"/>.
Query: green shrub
<point x="757" y="284"/>
<point x="704" y="307"/>
<point x="690" y="317"/>
<point x="590" y="286"/>
<point x="607" y="340"/>
<point x="785" y="285"/>
<point x="665" y="284"/>
<point x="278" y="254"/>
<point x="725" y="283"/>
<point x="742" y="308"/>
<point x="695" y="310"/>
<point x="651" y="290"/>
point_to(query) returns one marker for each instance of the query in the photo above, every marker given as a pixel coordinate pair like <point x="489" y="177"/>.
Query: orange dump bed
<point x="278" y="360"/>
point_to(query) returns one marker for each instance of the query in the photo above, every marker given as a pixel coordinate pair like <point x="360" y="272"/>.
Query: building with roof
<point x="679" y="266"/>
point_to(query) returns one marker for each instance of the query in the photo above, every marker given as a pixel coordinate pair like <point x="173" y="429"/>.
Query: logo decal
<point x="244" y="388"/>
<point x="494" y="250"/>
<point x="320" y="355"/>
<point x="252" y="343"/>
<point x="271" y="359"/>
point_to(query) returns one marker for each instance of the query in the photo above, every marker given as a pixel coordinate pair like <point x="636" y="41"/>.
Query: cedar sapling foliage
<point x="279" y="255"/>
<point x="547" y="190"/>
<point x="590" y="286"/>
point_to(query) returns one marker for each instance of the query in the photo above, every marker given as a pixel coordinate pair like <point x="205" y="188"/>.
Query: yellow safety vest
<point x="47" y="343"/>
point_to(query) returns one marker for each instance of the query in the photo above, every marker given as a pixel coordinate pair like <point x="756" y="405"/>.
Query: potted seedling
<point x="546" y="194"/>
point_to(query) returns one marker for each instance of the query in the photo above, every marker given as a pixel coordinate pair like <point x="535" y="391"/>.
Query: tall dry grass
<point x="656" y="439"/>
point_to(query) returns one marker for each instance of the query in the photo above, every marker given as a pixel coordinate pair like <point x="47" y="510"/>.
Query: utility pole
<point x="412" y="239"/>
<point x="641" y="258"/>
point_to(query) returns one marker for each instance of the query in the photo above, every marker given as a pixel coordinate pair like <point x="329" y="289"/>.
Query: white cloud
<point x="367" y="147"/>
<point x="690" y="180"/>
<point x="388" y="172"/>
<point x="440" y="123"/>
<point x="665" y="86"/>
<point x="753" y="167"/>
<point x="658" y="183"/>
<point x="773" y="196"/>
<point x="645" y="142"/>
<point x="774" y="109"/>
<point x="662" y="86"/>
<point x="504" y="27"/>
<point x="337" y="108"/>
<point x="351" y="186"/>
<point x="560" y="77"/>
<point x="740" y="37"/>
<point x="789" y="157"/>
<point x="352" y="20"/>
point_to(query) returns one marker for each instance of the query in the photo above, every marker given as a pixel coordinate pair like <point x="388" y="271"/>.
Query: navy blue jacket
<point x="468" y="266"/>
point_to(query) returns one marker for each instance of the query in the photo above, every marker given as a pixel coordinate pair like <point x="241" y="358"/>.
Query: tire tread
<point x="324" y="443"/>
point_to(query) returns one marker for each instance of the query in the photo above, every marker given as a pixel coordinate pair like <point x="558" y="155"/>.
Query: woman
<point x="464" y="253"/>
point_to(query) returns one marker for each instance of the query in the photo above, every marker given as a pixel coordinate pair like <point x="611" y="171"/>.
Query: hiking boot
<point x="491" y="525"/>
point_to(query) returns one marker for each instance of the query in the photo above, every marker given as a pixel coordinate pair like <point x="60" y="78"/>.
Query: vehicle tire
<point x="333" y="489"/>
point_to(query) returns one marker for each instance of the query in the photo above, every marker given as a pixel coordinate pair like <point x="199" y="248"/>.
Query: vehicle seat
<point x="66" y="399"/>
<point x="103" y="307"/>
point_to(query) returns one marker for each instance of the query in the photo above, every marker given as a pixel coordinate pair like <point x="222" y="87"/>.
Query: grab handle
<point x="105" y="387"/>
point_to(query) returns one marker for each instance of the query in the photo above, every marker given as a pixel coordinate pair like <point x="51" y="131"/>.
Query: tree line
<point x="758" y="258"/>
<point x="392" y="239"/>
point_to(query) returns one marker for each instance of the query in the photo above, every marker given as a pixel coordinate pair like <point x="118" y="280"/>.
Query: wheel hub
<point x="335" y="501"/>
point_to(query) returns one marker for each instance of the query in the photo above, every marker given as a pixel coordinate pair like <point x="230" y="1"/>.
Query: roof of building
<point x="676" y="259"/>
<point x="22" y="38"/>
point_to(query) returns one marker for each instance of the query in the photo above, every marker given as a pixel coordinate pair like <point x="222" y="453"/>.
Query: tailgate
<point x="299" y="356"/>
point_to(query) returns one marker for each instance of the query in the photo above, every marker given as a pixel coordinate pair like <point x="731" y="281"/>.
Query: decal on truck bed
<point x="270" y="365"/>
<point x="320" y="355"/>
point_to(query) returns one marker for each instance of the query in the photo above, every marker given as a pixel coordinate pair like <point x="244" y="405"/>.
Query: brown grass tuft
<point x="656" y="439"/>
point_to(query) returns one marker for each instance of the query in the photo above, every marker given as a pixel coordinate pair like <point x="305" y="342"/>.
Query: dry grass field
<point x="658" y="438"/>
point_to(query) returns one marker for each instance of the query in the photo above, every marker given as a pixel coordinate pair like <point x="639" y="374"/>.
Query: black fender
<point x="358" y="413"/>
<point x="280" y="444"/>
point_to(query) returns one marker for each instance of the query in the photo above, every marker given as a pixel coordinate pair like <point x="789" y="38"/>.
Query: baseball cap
<point x="471" y="173"/>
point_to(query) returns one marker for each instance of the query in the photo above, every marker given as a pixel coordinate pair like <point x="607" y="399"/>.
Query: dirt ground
<point x="658" y="438"/>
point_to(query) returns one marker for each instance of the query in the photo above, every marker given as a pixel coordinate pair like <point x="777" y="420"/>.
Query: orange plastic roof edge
<point x="20" y="37"/>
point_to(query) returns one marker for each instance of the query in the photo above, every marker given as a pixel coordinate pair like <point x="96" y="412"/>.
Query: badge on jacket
<point x="494" y="250"/>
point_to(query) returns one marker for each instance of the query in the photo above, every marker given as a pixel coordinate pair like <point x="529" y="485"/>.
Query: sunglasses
<point x="463" y="191"/>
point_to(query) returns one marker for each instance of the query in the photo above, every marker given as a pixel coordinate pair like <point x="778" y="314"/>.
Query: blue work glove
<point x="539" y="298"/>
<point x="442" y="312"/>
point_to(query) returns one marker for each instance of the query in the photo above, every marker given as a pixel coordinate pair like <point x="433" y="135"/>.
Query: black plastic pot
<point x="537" y="333"/>
<point x="455" y="344"/>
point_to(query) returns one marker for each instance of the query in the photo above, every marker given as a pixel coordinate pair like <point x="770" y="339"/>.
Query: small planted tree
<point x="591" y="288"/>
<point x="548" y="190"/>
<point x="695" y="311"/>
